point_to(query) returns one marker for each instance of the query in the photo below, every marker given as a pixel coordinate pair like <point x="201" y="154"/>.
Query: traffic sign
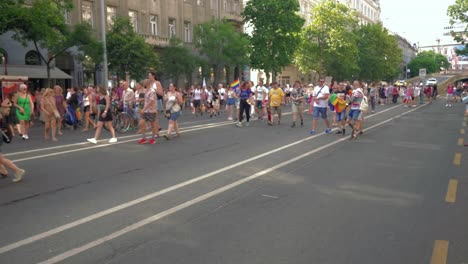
<point x="422" y="72"/>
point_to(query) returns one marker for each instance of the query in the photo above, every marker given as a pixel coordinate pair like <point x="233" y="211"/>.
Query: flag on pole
<point x="204" y="83"/>
<point x="235" y="84"/>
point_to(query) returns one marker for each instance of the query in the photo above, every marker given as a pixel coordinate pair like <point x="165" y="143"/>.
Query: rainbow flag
<point x="340" y="105"/>
<point x="332" y="102"/>
<point x="235" y="84"/>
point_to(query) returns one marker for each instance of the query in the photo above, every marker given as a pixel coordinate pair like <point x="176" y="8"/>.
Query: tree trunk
<point x="267" y="73"/>
<point x="49" y="81"/>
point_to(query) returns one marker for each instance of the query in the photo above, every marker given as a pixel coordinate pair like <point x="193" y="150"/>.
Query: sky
<point x="420" y="21"/>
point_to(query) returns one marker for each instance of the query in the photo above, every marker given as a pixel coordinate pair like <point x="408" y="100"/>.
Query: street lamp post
<point x="103" y="38"/>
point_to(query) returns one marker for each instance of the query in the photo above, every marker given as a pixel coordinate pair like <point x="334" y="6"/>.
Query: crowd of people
<point x="96" y="107"/>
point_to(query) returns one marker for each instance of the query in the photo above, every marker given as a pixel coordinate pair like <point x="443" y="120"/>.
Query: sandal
<point x="3" y="176"/>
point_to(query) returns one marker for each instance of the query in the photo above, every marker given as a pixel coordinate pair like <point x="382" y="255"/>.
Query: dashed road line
<point x="457" y="159"/>
<point x="440" y="252"/>
<point x="451" y="195"/>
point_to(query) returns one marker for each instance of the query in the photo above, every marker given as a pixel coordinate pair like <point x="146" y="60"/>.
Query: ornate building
<point x="156" y="20"/>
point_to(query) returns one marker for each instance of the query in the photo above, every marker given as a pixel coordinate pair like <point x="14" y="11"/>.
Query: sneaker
<point x="312" y="132"/>
<point x="113" y="140"/>
<point x="328" y="130"/>
<point x="167" y="137"/>
<point x="230" y="118"/>
<point x="142" y="141"/>
<point x="19" y="175"/>
<point x="344" y="131"/>
<point x="239" y="124"/>
<point x="152" y="141"/>
<point x="270" y="123"/>
<point x="339" y="132"/>
<point x="293" y="125"/>
<point x="247" y="124"/>
<point x="302" y="123"/>
<point x="92" y="140"/>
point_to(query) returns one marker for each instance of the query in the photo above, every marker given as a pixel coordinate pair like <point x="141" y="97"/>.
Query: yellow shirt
<point x="276" y="96"/>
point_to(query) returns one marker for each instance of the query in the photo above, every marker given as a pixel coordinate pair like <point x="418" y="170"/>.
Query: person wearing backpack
<point x="358" y="104"/>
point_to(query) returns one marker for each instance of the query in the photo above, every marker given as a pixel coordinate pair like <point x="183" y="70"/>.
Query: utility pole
<point x="105" y="72"/>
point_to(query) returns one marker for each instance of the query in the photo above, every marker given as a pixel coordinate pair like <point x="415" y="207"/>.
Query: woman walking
<point x="231" y="101"/>
<point x="297" y="98"/>
<point x="24" y="109"/>
<point x="173" y="106"/>
<point x="9" y="113"/>
<point x="88" y="105"/>
<point x="105" y="116"/>
<point x="374" y="95"/>
<point x="49" y="113"/>
<point x="61" y="105"/>
<point x="245" y="93"/>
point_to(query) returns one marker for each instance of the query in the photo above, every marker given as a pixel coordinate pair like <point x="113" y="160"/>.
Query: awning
<point x="35" y="72"/>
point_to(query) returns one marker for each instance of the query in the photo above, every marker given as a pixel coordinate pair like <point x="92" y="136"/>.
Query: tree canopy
<point x="458" y="14"/>
<point x="177" y="60"/>
<point x="379" y="54"/>
<point x="44" y="25"/>
<point x="275" y="28"/>
<point x="221" y="45"/>
<point x="128" y="52"/>
<point x="429" y="60"/>
<point x="328" y="45"/>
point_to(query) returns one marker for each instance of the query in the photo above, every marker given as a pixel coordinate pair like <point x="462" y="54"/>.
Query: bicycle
<point x="125" y="121"/>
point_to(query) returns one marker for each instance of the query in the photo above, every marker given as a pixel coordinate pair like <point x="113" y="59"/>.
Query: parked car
<point x="400" y="83"/>
<point x="431" y="81"/>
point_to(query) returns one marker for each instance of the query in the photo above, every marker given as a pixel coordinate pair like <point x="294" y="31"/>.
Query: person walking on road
<point x="320" y="97"/>
<point x="24" y="109"/>
<point x="105" y="116"/>
<point x="49" y="114"/>
<point x="231" y="102"/>
<point x="276" y="97"/>
<point x="150" y="110"/>
<point x="373" y="95"/>
<point x="354" y="113"/>
<point x="244" y="94"/>
<point x="61" y="105"/>
<point x="6" y="163"/>
<point x="260" y="92"/>
<point x="88" y="106"/>
<point x="297" y="98"/>
<point x="173" y="101"/>
<point x="450" y="92"/>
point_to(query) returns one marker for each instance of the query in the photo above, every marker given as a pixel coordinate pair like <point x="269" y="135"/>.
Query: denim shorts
<point x="341" y="116"/>
<point x="174" y="116"/>
<point x="322" y="111"/>
<point x="354" y="114"/>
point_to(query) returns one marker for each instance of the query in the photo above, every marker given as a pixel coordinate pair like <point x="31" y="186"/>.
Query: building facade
<point x="156" y="20"/>
<point x="409" y="52"/>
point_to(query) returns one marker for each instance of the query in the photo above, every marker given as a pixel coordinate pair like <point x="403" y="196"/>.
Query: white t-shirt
<point x="221" y="92"/>
<point x="417" y="91"/>
<point x="259" y="90"/>
<point x="197" y="94"/>
<point x="319" y="94"/>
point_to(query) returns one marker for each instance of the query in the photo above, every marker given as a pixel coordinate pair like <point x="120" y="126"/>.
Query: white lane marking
<point x="117" y="208"/>
<point x="270" y="196"/>
<point x="175" y="209"/>
<point x="103" y="145"/>
<point x="102" y="140"/>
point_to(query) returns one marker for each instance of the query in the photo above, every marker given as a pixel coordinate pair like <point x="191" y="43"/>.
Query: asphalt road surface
<point x="221" y="194"/>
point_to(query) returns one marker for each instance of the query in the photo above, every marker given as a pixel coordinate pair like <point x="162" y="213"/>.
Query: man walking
<point x="320" y="97"/>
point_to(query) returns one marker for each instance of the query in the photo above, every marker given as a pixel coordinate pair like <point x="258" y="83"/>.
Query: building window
<point x="32" y="58"/>
<point x="133" y="15"/>
<point x="235" y="7"/>
<point x="111" y="14"/>
<point x="187" y="32"/>
<point x="200" y="2"/>
<point x="172" y="28"/>
<point x="87" y="13"/>
<point x="154" y="25"/>
<point x="225" y="6"/>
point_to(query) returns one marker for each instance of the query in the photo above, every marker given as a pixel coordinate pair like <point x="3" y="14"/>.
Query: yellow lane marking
<point x="439" y="254"/>
<point x="460" y="141"/>
<point x="457" y="159"/>
<point x="462" y="131"/>
<point x="451" y="191"/>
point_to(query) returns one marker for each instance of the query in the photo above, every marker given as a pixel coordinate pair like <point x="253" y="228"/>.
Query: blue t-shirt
<point x="245" y="94"/>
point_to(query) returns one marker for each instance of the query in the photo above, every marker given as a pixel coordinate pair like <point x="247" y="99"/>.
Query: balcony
<point x="233" y="17"/>
<point x="157" y="41"/>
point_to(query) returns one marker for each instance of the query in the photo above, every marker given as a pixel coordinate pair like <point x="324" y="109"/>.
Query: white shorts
<point x="297" y="108"/>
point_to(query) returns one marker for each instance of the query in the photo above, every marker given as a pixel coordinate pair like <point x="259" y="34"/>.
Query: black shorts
<point x="86" y="109"/>
<point x="196" y="103"/>
<point x="108" y="117"/>
<point x="222" y="102"/>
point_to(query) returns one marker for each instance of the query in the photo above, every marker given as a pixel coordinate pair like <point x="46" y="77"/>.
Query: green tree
<point x="275" y="28"/>
<point x="429" y="60"/>
<point x="221" y="45"/>
<point x="328" y="45"/>
<point x="458" y="14"/>
<point x="379" y="54"/>
<point x="177" y="60"/>
<point x="128" y="52"/>
<point x="44" y="25"/>
<point x="10" y="14"/>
